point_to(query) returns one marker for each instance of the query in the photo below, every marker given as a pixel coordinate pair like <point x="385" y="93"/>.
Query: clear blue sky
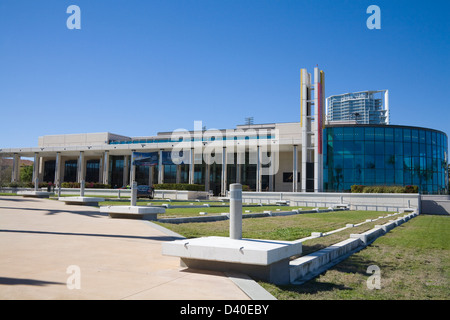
<point x="138" y="67"/>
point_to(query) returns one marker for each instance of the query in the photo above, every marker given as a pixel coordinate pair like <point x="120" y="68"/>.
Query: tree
<point x="26" y="173"/>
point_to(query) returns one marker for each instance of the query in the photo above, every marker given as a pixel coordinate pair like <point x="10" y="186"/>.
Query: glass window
<point x="398" y="162"/>
<point x="348" y="175"/>
<point x="70" y="171"/>
<point x="379" y="134"/>
<point x="389" y="134"/>
<point x="379" y="147"/>
<point x="415" y="149"/>
<point x="407" y="149"/>
<point x="399" y="177"/>
<point x="358" y="161"/>
<point x="407" y="180"/>
<point x="369" y="147"/>
<point x="369" y="133"/>
<point x="389" y="147"/>
<point x="390" y="176"/>
<point x="358" y="147"/>
<point x="348" y="133"/>
<point x="398" y="148"/>
<point x="422" y="136"/>
<point x="369" y="161"/>
<point x="379" y="176"/>
<point x="369" y="176"/>
<point x="407" y="135"/>
<point x="338" y="134"/>
<point x="338" y="147"/>
<point x="379" y="161"/>
<point x="389" y="161"/>
<point x="414" y="136"/>
<point x="348" y="161"/>
<point x="398" y="134"/>
<point x="359" y="133"/>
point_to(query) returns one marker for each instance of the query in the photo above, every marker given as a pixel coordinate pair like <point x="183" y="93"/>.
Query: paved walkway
<point x="41" y="239"/>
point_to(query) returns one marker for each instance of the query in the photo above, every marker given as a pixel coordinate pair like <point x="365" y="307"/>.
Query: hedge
<point x="384" y="189"/>
<point x="179" y="186"/>
<point x="94" y="185"/>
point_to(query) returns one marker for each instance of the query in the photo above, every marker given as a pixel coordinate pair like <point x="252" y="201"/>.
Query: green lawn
<point x="279" y="228"/>
<point x="414" y="261"/>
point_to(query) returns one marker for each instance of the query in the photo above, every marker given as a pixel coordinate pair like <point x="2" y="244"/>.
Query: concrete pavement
<point x="45" y="244"/>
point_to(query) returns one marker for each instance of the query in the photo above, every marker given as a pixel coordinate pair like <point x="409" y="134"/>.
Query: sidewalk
<point x="117" y="259"/>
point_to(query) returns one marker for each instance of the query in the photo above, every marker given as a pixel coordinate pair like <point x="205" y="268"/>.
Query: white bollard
<point x="133" y="193"/>
<point x="82" y="184"/>
<point x="236" y="211"/>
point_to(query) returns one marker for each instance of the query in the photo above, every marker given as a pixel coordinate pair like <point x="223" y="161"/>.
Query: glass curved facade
<point x="385" y="155"/>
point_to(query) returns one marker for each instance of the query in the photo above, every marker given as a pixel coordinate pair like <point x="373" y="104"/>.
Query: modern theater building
<point x="310" y="154"/>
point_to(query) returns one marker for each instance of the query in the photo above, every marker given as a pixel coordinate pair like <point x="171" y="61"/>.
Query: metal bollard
<point x="236" y="211"/>
<point x="133" y="193"/>
<point x="82" y="184"/>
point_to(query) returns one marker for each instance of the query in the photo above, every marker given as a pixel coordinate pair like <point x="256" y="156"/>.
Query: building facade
<point x="304" y="156"/>
<point x="385" y="155"/>
<point x="365" y="107"/>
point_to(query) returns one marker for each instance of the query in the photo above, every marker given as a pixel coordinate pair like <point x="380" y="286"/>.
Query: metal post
<point x="82" y="184"/>
<point x="133" y="193"/>
<point x="236" y="211"/>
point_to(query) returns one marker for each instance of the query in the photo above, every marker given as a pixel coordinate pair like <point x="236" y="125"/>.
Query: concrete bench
<point x="35" y="194"/>
<point x="267" y="260"/>
<point x="84" y="201"/>
<point x="133" y="212"/>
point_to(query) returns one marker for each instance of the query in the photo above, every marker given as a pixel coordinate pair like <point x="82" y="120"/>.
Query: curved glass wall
<point x="385" y="155"/>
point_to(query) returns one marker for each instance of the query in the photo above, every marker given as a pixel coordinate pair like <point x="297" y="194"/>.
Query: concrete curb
<point x="225" y="216"/>
<point x="309" y="266"/>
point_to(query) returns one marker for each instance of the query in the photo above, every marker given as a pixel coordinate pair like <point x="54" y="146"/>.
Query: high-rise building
<point x="365" y="107"/>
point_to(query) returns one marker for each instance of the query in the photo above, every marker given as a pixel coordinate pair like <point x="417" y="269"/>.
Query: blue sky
<point x="138" y="67"/>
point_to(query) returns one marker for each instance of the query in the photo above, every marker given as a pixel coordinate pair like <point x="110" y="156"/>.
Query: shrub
<point x="384" y="189"/>
<point x="179" y="186"/>
<point x="356" y="188"/>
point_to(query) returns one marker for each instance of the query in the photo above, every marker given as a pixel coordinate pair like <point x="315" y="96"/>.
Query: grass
<point x="287" y="228"/>
<point x="414" y="260"/>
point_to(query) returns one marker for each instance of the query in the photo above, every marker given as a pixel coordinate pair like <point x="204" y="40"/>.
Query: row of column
<point x="104" y="170"/>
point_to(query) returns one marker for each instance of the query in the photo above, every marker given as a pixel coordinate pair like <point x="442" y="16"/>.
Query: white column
<point x="58" y="169"/>
<point x="316" y="129"/>
<point x="224" y="172"/>
<point x="304" y="123"/>
<point x="15" y="176"/>
<point x="294" y="170"/>
<point x="191" y="166"/>
<point x="132" y="170"/>
<point x="125" y="170"/>
<point x="35" y="167"/>
<point x="236" y="211"/>
<point x="160" y="168"/>
<point x="258" y="169"/>
<point x="386" y="105"/>
<point x="106" y="167"/>
<point x="81" y="168"/>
